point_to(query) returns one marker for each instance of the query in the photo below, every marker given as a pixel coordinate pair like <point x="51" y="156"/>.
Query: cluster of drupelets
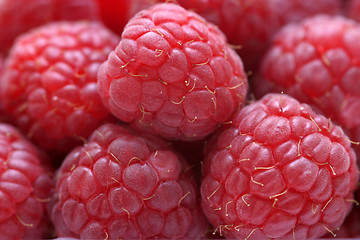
<point x="170" y="101"/>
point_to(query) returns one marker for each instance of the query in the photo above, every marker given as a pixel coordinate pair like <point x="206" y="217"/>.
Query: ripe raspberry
<point x="172" y="74"/>
<point x="242" y="21"/>
<point x="317" y="62"/>
<point x="115" y="14"/>
<point x="71" y="10"/>
<point x="350" y="227"/>
<point x="19" y="16"/>
<point x="120" y="185"/>
<point x="24" y="187"/>
<point x="1" y="64"/>
<point x="353" y="9"/>
<point x="50" y="82"/>
<point x="278" y="171"/>
<point x="3" y="115"/>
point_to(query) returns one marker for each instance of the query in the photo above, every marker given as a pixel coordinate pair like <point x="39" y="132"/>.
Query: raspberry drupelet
<point x="49" y="85"/>
<point x="278" y="171"/>
<point x="172" y="74"/>
<point x="124" y="185"/>
<point x="350" y="228"/>
<point x="317" y="61"/>
<point x="25" y="186"/>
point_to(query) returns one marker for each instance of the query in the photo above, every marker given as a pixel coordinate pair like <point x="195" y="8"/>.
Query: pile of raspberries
<point x="186" y="119"/>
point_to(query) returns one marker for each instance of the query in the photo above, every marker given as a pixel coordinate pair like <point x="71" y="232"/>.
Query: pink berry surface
<point x="317" y="61"/>
<point x="123" y="185"/>
<point x="25" y="186"/>
<point x="278" y="171"/>
<point x="179" y="119"/>
<point x="172" y="74"/>
<point x="49" y="84"/>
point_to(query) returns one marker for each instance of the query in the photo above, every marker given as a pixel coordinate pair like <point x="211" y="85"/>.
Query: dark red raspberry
<point x="278" y="171"/>
<point x="193" y="152"/>
<point x="115" y="14"/>
<point x="71" y="10"/>
<point x="19" y="16"/>
<point x="172" y="74"/>
<point x="50" y="82"/>
<point x="3" y="115"/>
<point x="353" y="9"/>
<point x="1" y="64"/>
<point x="125" y="186"/>
<point x="250" y="24"/>
<point x="317" y="61"/>
<point x="24" y="187"/>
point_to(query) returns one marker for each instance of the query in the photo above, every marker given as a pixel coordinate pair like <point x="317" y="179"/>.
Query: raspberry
<point x="350" y="227"/>
<point x="316" y="61"/>
<point x="1" y="64"/>
<point x="353" y="9"/>
<point x="50" y="82"/>
<point x="115" y="14"/>
<point x="3" y="115"/>
<point x="122" y="185"/>
<point x="242" y="21"/>
<point x="24" y="187"/>
<point x="278" y="171"/>
<point x="19" y="16"/>
<point x="71" y="10"/>
<point x="172" y="74"/>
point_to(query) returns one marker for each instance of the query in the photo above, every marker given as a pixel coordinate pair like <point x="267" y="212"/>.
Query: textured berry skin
<point x="278" y="171"/>
<point x="49" y="84"/>
<point x="172" y="74"/>
<point x="242" y="21"/>
<point x="317" y="61"/>
<point x="24" y="187"/>
<point x="125" y="186"/>
<point x="350" y="227"/>
<point x="19" y="16"/>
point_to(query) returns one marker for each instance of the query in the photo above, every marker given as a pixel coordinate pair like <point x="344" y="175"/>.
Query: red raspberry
<point x="250" y="24"/>
<point x="4" y="118"/>
<point x="317" y="61"/>
<point x="350" y="228"/>
<point x="24" y="187"/>
<point x="121" y="185"/>
<point x="1" y="64"/>
<point x="353" y="9"/>
<point x="172" y="74"/>
<point x="75" y="10"/>
<point x="115" y="14"/>
<point x="50" y="82"/>
<point x="19" y="16"/>
<point x="278" y="171"/>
